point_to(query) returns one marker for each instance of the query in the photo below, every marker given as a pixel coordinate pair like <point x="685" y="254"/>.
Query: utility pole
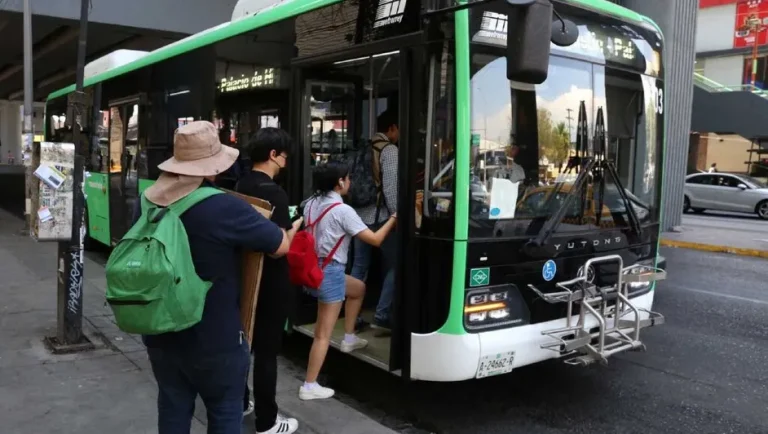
<point x="69" y="335"/>
<point x="755" y="27"/>
<point x="569" y="118"/>
<point x="28" y="133"/>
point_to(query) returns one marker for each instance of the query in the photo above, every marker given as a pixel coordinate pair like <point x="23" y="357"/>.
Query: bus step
<point x="618" y="324"/>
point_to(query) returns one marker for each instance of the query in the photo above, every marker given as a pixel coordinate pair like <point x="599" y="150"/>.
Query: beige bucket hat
<point x="197" y="153"/>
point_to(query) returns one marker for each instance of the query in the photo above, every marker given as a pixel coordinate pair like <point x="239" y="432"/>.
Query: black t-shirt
<point x="275" y="286"/>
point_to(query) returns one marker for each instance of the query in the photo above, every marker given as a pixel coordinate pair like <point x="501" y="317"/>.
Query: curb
<point x="715" y="248"/>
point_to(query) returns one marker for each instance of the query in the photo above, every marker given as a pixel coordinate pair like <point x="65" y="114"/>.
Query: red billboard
<point x="712" y="3"/>
<point x="751" y="18"/>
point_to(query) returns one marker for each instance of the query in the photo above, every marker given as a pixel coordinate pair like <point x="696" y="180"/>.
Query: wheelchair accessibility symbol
<point x="549" y="270"/>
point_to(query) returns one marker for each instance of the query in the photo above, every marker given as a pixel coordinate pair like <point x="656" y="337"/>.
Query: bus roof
<point x="287" y="9"/>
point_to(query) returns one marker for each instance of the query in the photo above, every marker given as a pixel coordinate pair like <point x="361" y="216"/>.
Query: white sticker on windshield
<point x="503" y="198"/>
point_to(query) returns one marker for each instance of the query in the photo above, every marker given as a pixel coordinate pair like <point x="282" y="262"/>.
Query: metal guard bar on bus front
<point x="608" y="305"/>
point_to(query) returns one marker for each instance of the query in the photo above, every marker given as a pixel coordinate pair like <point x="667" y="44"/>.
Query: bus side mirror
<point x="530" y="29"/>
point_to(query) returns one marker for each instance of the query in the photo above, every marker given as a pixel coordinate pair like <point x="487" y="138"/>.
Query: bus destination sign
<point x="595" y="41"/>
<point x="261" y="78"/>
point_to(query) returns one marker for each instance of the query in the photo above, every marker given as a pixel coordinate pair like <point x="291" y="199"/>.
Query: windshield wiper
<point x="588" y="165"/>
<point x="551" y="224"/>
<point x="634" y="221"/>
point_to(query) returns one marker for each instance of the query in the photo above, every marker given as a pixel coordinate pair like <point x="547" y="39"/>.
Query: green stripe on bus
<point x="454" y="325"/>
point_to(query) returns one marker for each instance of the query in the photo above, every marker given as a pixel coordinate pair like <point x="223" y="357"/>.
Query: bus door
<point x="340" y="101"/>
<point x="324" y="120"/>
<point x="123" y="166"/>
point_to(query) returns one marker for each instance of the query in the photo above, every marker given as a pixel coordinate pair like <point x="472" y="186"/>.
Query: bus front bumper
<point x="443" y="357"/>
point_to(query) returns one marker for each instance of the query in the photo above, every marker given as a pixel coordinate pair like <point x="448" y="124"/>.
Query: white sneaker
<point x="358" y="343"/>
<point x="283" y="425"/>
<point x="317" y="392"/>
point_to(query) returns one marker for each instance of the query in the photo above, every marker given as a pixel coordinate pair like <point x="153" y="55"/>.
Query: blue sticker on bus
<point x="549" y="270"/>
<point x="495" y="212"/>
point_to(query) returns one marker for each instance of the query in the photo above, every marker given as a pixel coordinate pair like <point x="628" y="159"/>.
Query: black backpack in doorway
<point x="365" y="188"/>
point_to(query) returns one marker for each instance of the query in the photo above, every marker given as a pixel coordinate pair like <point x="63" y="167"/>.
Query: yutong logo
<point x="572" y="245"/>
<point x="389" y="12"/>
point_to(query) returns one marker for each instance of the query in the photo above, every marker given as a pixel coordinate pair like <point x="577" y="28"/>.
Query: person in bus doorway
<point x="211" y="358"/>
<point x="268" y="150"/>
<point x="376" y="215"/>
<point x="333" y="233"/>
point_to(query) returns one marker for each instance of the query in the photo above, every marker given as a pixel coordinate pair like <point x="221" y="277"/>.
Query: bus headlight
<point x="636" y="288"/>
<point x="489" y="307"/>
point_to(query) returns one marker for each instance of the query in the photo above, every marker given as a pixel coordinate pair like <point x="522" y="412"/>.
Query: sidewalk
<point x="722" y="233"/>
<point x="109" y="390"/>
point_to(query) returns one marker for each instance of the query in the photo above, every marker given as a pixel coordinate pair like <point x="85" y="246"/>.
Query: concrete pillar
<point x="677" y="20"/>
<point x="10" y="131"/>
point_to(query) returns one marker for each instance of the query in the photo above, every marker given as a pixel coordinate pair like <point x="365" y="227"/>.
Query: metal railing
<point x="713" y="86"/>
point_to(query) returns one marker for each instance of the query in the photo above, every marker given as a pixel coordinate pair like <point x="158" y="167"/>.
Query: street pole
<point x="70" y="282"/>
<point x="756" y="34"/>
<point x="28" y="128"/>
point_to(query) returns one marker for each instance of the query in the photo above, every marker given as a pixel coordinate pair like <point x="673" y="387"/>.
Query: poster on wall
<point x="747" y="12"/>
<point x="54" y="213"/>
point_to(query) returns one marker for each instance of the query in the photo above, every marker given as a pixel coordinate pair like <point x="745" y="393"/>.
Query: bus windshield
<point x="523" y="136"/>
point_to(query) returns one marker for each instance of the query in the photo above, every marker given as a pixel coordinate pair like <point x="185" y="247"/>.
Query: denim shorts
<point x="334" y="286"/>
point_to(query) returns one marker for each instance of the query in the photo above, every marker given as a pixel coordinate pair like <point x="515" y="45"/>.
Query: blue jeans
<point x="219" y="379"/>
<point x="362" y="261"/>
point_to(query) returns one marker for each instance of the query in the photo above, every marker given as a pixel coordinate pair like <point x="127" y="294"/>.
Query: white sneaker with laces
<point x="358" y="343"/>
<point x="317" y="392"/>
<point x="283" y="425"/>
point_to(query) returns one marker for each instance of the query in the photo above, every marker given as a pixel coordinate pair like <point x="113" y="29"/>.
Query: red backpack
<point x="302" y="257"/>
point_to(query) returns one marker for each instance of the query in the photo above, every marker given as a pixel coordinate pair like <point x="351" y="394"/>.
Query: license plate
<point x="495" y="364"/>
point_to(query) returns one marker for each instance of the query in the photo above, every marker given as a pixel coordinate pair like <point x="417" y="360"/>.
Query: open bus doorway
<point x="239" y="115"/>
<point x="340" y="104"/>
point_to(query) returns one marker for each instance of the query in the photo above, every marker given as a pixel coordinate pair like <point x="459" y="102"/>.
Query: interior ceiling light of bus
<point x="362" y="59"/>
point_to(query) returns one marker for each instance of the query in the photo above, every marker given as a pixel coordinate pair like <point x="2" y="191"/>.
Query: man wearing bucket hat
<point x="211" y="358"/>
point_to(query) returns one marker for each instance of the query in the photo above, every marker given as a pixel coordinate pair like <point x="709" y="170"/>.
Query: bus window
<point x="342" y="115"/>
<point x="439" y="157"/>
<point x="100" y="149"/>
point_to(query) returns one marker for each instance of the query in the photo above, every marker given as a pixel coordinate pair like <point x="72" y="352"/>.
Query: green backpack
<point x="152" y="286"/>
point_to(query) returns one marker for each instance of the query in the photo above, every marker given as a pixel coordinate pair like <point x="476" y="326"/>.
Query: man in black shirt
<point x="268" y="150"/>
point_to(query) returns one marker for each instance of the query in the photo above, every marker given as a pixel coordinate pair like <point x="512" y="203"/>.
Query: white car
<point x="725" y="192"/>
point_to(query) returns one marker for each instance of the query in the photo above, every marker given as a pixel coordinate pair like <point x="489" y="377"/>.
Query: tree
<point x="545" y="129"/>
<point x="561" y="144"/>
<point x="554" y="140"/>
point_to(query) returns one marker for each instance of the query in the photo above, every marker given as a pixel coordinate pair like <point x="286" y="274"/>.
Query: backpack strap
<point x="323" y="214"/>
<point x="182" y="205"/>
<point x="380" y="190"/>
<point x="327" y="260"/>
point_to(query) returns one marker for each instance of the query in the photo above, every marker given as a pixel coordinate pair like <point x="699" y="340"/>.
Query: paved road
<point x="723" y="229"/>
<point x="704" y="371"/>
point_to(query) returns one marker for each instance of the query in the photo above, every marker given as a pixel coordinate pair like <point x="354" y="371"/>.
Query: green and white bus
<point x="530" y="159"/>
